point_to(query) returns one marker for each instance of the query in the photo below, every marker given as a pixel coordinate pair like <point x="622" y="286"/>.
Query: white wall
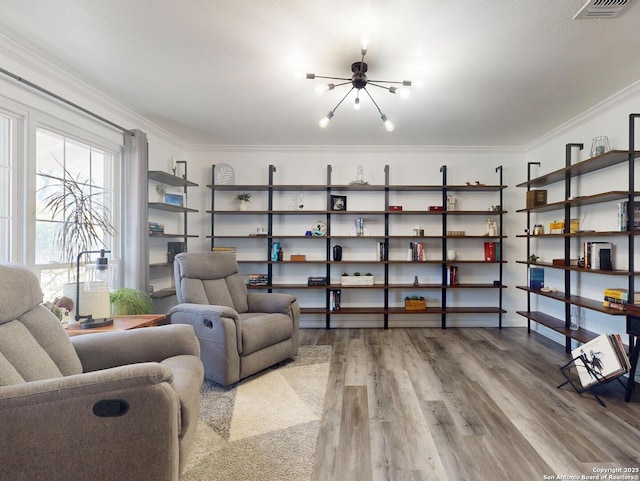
<point x="407" y="166"/>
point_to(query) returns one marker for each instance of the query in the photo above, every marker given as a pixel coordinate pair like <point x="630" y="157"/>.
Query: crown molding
<point x="625" y="95"/>
<point x="356" y="148"/>
<point x="30" y="64"/>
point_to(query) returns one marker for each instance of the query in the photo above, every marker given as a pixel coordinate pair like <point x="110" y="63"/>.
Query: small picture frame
<point x="338" y="202"/>
<point x="174" y="199"/>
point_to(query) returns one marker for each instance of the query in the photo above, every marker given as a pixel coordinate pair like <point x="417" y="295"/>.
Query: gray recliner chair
<point x="240" y="333"/>
<point x="101" y="406"/>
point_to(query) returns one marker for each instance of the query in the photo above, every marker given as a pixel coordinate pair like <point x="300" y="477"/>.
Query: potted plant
<point x="415" y="303"/>
<point x="161" y="190"/>
<point x="357" y="279"/>
<point x="84" y="215"/>
<point x="243" y="198"/>
<point x="128" y="302"/>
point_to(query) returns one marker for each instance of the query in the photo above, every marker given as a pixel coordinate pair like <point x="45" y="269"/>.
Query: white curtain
<point x="135" y="210"/>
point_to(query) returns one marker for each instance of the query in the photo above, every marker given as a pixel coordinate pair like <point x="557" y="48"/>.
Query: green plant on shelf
<point x="127" y="302"/>
<point x="533" y="258"/>
<point x="414" y="298"/>
<point x="246" y="196"/>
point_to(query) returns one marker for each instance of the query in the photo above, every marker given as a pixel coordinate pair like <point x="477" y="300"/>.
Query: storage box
<point x="415" y="305"/>
<point x="536" y="198"/>
<point x="356" y="280"/>
<point x="298" y="257"/>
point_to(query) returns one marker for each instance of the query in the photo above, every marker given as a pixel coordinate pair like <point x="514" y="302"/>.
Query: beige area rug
<point x="264" y="428"/>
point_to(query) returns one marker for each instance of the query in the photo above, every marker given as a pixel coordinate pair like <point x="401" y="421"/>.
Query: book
<point x="536" y="278"/>
<point x="600" y="359"/>
<point x="334" y="299"/>
<point x="452" y="276"/>
<point x="621" y="294"/>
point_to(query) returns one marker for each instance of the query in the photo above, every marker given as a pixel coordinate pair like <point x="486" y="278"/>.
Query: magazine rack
<point x="600" y="380"/>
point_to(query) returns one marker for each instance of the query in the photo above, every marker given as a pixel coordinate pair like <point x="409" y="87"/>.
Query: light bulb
<point x="387" y="123"/>
<point x="324" y="121"/>
<point x="320" y="88"/>
<point x="356" y="104"/>
<point x="404" y="93"/>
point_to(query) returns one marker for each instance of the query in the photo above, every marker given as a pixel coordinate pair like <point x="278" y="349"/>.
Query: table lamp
<point x="95" y="293"/>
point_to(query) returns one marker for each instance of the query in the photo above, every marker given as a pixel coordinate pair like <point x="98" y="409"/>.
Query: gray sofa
<point x="240" y="333"/>
<point x="101" y="406"/>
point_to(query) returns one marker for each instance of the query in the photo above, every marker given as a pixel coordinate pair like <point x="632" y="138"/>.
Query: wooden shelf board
<point x="575" y="301"/>
<point x="577" y="269"/>
<point x="379" y="286"/>
<point x="170" y="179"/>
<point x="173" y="235"/>
<point x="593" y="164"/>
<point x="576" y="234"/>
<point x="169" y="207"/>
<point x="558" y="325"/>
<point x="163" y="293"/>
<point x="583" y="200"/>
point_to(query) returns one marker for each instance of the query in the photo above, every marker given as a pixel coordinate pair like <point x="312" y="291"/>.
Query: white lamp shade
<point x="94" y="299"/>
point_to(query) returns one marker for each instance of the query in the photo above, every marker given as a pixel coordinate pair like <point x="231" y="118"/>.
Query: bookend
<point x="600" y="379"/>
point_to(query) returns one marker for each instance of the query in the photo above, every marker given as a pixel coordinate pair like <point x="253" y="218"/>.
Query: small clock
<point x="319" y="229"/>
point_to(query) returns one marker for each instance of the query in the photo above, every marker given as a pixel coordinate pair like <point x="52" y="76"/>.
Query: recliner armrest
<point x="151" y="344"/>
<point x="43" y="422"/>
<point x="70" y="388"/>
<point x="270" y="303"/>
<point x="221" y="322"/>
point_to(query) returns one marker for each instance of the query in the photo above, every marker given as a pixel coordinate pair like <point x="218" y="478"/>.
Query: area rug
<point x="264" y="428"/>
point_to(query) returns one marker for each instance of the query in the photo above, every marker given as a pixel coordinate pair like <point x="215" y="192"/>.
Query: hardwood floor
<point x="464" y="404"/>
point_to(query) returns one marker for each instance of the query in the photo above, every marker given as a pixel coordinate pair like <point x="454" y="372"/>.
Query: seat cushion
<point x="262" y="330"/>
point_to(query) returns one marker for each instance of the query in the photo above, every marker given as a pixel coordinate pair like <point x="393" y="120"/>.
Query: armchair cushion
<point x="264" y="330"/>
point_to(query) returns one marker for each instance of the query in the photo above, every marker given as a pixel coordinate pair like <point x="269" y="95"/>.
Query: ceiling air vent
<point x="600" y="9"/>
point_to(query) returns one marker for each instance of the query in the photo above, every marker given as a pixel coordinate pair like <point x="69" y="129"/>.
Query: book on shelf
<point x="623" y="216"/>
<point x="452" y="276"/>
<point x="618" y="299"/>
<point x="334" y="299"/>
<point x="536" y="278"/>
<point x="223" y="249"/>
<point x="258" y="279"/>
<point x="416" y="251"/>
<point x="492" y="251"/>
<point x="600" y="359"/>
<point x="381" y="251"/>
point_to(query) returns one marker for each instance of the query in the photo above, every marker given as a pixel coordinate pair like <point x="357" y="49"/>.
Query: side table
<point x="120" y="323"/>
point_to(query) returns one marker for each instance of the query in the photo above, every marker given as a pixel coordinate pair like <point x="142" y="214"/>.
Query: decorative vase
<point x="242" y="205"/>
<point x="337" y="253"/>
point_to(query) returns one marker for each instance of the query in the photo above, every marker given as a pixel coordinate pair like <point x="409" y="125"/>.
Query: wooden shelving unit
<point x="385" y="216"/>
<point x="561" y="325"/>
<point x="179" y="182"/>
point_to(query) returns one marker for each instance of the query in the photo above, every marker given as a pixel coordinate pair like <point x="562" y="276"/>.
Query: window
<point x="69" y="173"/>
<point x="7" y="175"/>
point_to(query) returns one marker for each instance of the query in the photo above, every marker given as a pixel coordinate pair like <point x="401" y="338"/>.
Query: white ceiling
<point x="486" y="72"/>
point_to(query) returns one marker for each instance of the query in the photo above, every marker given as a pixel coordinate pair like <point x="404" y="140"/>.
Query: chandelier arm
<point x="374" y="102"/>
<point x="342" y="100"/>
<point x="389" y="82"/>
<point x="379" y="86"/>
<point x="332" y="78"/>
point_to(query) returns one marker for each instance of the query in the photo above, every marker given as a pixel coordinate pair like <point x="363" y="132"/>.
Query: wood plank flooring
<point x="464" y="404"/>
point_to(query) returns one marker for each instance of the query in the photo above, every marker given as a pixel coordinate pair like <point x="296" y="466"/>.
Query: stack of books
<point x="416" y="251"/>
<point x="492" y="251"/>
<point x="156" y="229"/>
<point x="616" y="298"/>
<point x="334" y="299"/>
<point x="382" y="251"/>
<point x="258" y="280"/>
<point x="452" y="276"/>
<point x="224" y="249"/>
<point x="623" y="220"/>
<point x="601" y="359"/>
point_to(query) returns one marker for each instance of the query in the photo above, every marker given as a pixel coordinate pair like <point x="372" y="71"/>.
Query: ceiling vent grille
<point x="603" y="9"/>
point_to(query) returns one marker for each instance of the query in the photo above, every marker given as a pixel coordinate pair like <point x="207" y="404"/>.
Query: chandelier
<point x="359" y="82"/>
